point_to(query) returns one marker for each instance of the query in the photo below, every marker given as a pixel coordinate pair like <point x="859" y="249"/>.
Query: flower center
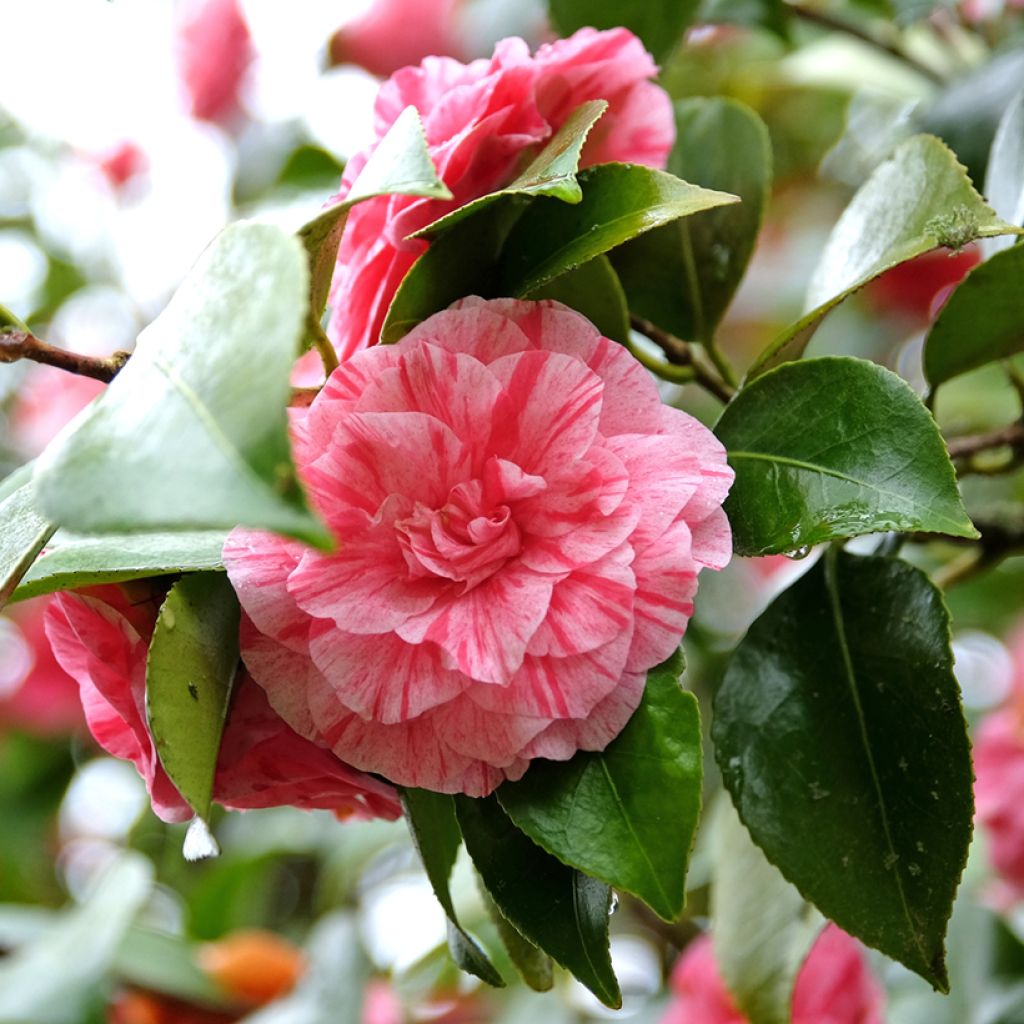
<point x="463" y="541"/>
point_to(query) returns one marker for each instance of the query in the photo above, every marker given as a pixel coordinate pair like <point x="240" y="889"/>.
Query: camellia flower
<point x="520" y="525"/>
<point x="101" y="638"/>
<point x="999" y="779"/>
<point x="919" y="288"/>
<point x="483" y="121"/>
<point x="214" y="50"/>
<point x="834" y="986"/>
<point x="393" y="33"/>
<point x="36" y="694"/>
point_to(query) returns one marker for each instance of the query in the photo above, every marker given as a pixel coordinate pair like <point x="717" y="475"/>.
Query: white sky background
<point x="91" y="74"/>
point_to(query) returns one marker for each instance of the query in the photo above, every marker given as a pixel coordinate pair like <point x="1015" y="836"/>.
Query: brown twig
<point x="681" y="353"/>
<point x="999" y="539"/>
<point x="833" y="24"/>
<point x="1006" y="437"/>
<point x="16" y="345"/>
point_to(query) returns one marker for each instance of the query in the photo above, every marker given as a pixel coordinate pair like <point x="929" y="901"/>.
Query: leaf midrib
<point x="835" y="607"/>
<point x="811" y="467"/>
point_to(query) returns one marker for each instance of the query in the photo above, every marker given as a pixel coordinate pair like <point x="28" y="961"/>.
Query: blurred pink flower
<point x="101" y="638"/>
<point x="483" y="121"/>
<point x="394" y="33"/>
<point x="214" y="51"/>
<point x="999" y="779"/>
<point x="121" y="162"/>
<point x="521" y="524"/>
<point x="834" y="986"/>
<point x="46" y="400"/>
<point x="36" y="694"/>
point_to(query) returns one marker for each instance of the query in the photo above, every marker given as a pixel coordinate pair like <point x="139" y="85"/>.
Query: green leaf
<point x="762" y="927"/>
<point x="399" y="165"/>
<point x="772" y="15"/>
<point x="517" y="245"/>
<point x="551" y="173"/>
<point x="840" y="736"/>
<point x="533" y="965"/>
<point x="983" y="320"/>
<point x="190" y="670"/>
<point x="460" y="262"/>
<point x="1004" y="181"/>
<point x="24" y="532"/>
<point x="192" y="433"/>
<point x="917" y="200"/>
<point x="73" y="561"/>
<point x="683" y="276"/>
<point x="595" y="291"/>
<point x="658" y="23"/>
<point x="834" y="447"/>
<point x="166" y="963"/>
<point x="555" y="907"/>
<point x="435" y="831"/>
<point x="620" y="201"/>
<point x="626" y="815"/>
<point x="53" y="979"/>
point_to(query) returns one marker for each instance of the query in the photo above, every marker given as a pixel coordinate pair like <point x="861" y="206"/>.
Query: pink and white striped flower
<point x="520" y="525"/>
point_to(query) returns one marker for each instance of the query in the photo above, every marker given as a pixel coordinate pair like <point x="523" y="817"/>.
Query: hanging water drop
<point x="614" y="904"/>
<point x="801" y="552"/>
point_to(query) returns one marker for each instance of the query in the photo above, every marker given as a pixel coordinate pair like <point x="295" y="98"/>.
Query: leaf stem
<point x="824" y="20"/>
<point x="681" y="355"/>
<point x="323" y="346"/>
<point x="17" y="345"/>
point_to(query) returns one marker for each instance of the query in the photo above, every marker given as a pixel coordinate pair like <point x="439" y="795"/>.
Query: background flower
<point x="834" y="986"/>
<point x="520" y="524"/>
<point x="101" y="637"/>
<point x="483" y="120"/>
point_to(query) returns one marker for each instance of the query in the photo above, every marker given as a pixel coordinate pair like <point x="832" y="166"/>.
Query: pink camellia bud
<point x="214" y="50"/>
<point x="521" y="522"/>
<point x="834" y="986"/>
<point x="394" y="33"/>
<point x="918" y="288"/>
<point x="483" y="121"/>
<point x="101" y="638"/>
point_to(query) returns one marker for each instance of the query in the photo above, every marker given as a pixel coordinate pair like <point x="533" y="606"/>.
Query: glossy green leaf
<point x="557" y="908"/>
<point x="983" y="320"/>
<point x="683" y="276"/>
<point x="460" y="262"/>
<point x="74" y="956"/>
<point x="834" y="447"/>
<point x="435" y="831"/>
<point x="620" y="202"/>
<point x="595" y="291"/>
<point x="917" y="200"/>
<point x="626" y="815"/>
<point x="534" y="965"/>
<point x="762" y="927"/>
<point x="658" y="23"/>
<point x="517" y="245"/>
<point x="400" y="164"/>
<point x="192" y="433"/>
<point x="551" y="173"/>
<point x="190" y="670"/>
<point x="840" y="736"/>
<point x="24" y="532"/>
<point x="1004" y="181"/>
<point x="73" y="561"/>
